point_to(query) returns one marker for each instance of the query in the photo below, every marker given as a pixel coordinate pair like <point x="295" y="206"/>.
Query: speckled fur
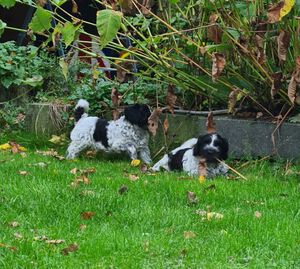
<point x="123" y="137"/>
<point x="190" y="162"/>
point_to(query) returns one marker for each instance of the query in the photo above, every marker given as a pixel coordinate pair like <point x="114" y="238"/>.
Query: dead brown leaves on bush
<point x="153" y="121"/>
<point x="218" y="64"/>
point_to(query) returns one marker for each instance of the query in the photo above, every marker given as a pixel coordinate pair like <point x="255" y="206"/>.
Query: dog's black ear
<point x="137" y="114"/>
<point x="224" y="147"/>
<point x="198" y="148"/>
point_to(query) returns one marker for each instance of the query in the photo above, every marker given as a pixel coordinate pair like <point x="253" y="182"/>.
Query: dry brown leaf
<point x="276" y="83"/>
<point x="55" y="241"/>
<point x="210" y="124"/>
<point x="232" y="99"/>
<point x="87" y="193"/>
<point x="116" y="114"/>
<point x="171" y="98"/>
<point x="16" y="148"/>
<point x="123" y="189"/>
<point x="115" y="98"/>
<point x="257" y="214"/>
<point x="283" y="42"/>
<point x="80" y="179"/>
<point x="87" y="215"/>
<point x="191" y="197"/>
<point x="52" y="153"/>
<point x="12" y="248"/>
<point x="188" y="234"/>
<point x="70" y="248"/>
<point x="259" y="42"/>
<point x="214" y="33"/>
<point x="40" y="238"/>
<point x="153" y="121"/>
<point x="133" y="177"/>
<point x="166" y="126"/>
<point x="87" y="171"/>
<point x="274" y="12"/>
<point x="91" y="154"/>
<point x="218" y="64"/>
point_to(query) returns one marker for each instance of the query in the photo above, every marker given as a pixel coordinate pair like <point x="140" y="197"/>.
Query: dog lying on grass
<point x="129" y="134"/>
<point x="211" y="147"/>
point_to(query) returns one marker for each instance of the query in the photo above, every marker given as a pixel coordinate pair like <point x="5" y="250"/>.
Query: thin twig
<point x="232" y="169"/>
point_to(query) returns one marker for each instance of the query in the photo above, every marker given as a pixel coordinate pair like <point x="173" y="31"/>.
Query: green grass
<point x="144" y="227"/>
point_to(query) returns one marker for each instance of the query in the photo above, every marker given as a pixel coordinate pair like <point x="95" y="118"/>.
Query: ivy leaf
<point x="2" y="27"/>
<point x="68" y="32"/>
<point x="41" y="20"/>
<point x="7" y="3"/>
<point x="108" y="23"/>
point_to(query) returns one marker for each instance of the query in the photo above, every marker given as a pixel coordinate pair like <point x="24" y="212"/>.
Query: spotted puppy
<point x="129" y="134"/>
<point x="187" y="156"/>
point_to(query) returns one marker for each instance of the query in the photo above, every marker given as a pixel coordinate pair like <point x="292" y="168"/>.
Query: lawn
<point x="150" y="223"/>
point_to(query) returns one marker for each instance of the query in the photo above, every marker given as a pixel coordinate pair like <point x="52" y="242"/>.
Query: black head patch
<point x="211" y="147"/>
<point x="137" y="114"/>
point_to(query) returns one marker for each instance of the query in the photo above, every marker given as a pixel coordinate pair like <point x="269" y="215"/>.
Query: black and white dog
<point x="128" y="134"/>
<point x="187" y="156"/>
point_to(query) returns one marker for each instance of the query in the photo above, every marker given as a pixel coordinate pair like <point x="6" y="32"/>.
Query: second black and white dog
<point x="186" y="157"/>
<point x="128" y="134"/>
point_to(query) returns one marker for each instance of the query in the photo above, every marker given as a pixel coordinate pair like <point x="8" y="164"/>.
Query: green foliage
<point x="7" y="3"/>
<point x="69" y="33"/>
<point x="12" y="117"/>
<point x="108" y="23"/>
<point x="2" y="27"/>
<point x="41" y="20"/>
<point x="22" y="65"/>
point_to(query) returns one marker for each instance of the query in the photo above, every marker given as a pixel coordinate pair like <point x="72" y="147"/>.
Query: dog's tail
<point x="81" y="109"/>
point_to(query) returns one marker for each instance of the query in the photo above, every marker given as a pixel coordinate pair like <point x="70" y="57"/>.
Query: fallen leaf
<point x="90" y="170"/>
<point x="259" y="42"/>
<point x="188" y="234"/>
<point x="153" y="121"/>
<point x="87" y="215"/>
<point x="14" y="224"/>
<point x="116" y="114"/>
<point x="91" y="154"/>
<point x="133" y="177"/>
<point x="70" y="248"/>
<point x="87" y="193"/>
<point x="191" y="197"/>
<point x="80" y="179"/>
<point x="18" y="236"/>
<point x="16" y="148"/>
<point x="171" y="98"/>
<point x="58" y="140"/>
<point x="210" y="187"/>
<point x="202" y="179"/>
<point x="218" y="65"/>
<point x="40" y="164"/>
<point x="55" y="241"/>
<point x="210" y="124"/>
<point x="74" y="171"/>
<point x="123" y="189"/>
<point x="23" y="173"/>
<point x="52" y="153"/>
<point x="135" y="162"/>
<point x="9" y="247"/>
<point x="40" y="238"/>
<point x="257" y="214"/>
<point x="5" y="146"/>
<point x="82" y="227"/>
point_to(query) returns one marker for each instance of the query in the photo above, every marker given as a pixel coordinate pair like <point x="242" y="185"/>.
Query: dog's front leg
<point x="132" y="152"/>
<point x="145" y="155"/>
